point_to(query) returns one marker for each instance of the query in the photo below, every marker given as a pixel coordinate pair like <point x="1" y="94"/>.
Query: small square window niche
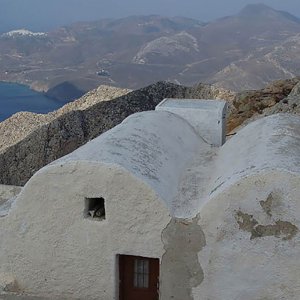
<point x="94" y="208"/>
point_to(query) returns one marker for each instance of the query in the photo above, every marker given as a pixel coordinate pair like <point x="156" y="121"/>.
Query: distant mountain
<point x="274" y="50"/>
<point x="246" y="50"/>
<point x="258" y="11"/>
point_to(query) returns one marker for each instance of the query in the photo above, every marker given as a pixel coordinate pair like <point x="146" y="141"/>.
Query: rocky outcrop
<point x="206" y="91"/>
<point x="286" y="103"/>
<point x="289" y="104"/>
<point x="102" y="93"/>
<point x="249" y="105"/>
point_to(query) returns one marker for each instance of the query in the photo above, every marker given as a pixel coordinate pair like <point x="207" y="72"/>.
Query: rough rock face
<point x="286" y="104"/>
<point x="102" y="93"/>
<point x="206" y="91"/>
<point x="290" y="104"/>
<point x="249" y="105"/>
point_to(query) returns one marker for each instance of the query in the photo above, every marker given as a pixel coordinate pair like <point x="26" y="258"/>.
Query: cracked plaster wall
<point x="180" y="268"/>
<point x="244" y="239"/>
<point x="252" y="243"/>
<point x="49" y="249"/>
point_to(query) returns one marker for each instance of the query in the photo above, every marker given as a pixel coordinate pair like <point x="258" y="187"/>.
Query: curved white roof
<point x="163" y="150"/>
<point x="270" y="143"/>
<point x="155" y="146"/>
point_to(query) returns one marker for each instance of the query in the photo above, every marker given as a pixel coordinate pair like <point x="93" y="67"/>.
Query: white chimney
<point x="207" y="117"/>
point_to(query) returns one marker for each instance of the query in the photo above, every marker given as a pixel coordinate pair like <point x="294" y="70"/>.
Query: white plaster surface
<point x="238" y="267"/>
<point x="52" y="250"/>
<point x="207" y="117"/>
<point x="151" y="168"/>
<point x="263" y="159"/>
<point x="154" y="146"/>
<point x="271" y="143"/>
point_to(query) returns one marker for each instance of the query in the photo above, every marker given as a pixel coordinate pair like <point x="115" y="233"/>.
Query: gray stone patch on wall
<point x="180" y="268"/>
<point x="281" y="229"/>
<point x="267" y="205"/>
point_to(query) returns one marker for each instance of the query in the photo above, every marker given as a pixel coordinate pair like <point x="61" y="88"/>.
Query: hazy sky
<point x="42" y="14"/>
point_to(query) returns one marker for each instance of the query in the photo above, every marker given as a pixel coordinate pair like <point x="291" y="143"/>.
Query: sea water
<point x="16" y="97"/>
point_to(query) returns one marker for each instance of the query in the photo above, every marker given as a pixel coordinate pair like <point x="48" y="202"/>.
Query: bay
<point x="16" y="97"/>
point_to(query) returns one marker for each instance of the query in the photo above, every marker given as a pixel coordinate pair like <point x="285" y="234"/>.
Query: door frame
<point x="120" y="272"/>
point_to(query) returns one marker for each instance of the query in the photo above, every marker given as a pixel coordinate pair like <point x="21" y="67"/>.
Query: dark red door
<point x="139" y="277"/>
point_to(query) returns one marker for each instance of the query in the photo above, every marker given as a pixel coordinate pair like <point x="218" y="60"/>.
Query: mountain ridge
<point x="265" y="11"/>
<point x="237" y="52"/>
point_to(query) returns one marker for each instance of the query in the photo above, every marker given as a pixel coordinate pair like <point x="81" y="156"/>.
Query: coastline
<point x="16" y="97"/>
<point x="34" y="86"/>
<point x="62" y="92"/>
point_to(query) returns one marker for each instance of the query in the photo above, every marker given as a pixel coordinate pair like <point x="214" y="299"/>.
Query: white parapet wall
<point x="207" y="117"/>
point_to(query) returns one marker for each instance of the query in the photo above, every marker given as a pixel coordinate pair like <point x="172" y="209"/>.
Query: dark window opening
<point x="141" y="273"/>
<point x="138" y="278"/>
<point x="94" y="208"/>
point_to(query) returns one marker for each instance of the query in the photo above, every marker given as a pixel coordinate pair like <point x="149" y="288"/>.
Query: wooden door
<point x="139" y="278"/>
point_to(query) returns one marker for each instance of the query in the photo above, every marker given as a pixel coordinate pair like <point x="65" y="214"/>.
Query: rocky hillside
<point x="243" y="51"/>
<point x="286" y="101"/>
<point x="249" y="105"/>
<point x="11" y="132"/>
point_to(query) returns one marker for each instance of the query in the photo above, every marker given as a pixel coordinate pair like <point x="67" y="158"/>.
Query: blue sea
<point x="17" y="97"/>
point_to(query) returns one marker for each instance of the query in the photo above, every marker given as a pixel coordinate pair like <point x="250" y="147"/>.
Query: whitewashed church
<point x="161" y="207"/>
